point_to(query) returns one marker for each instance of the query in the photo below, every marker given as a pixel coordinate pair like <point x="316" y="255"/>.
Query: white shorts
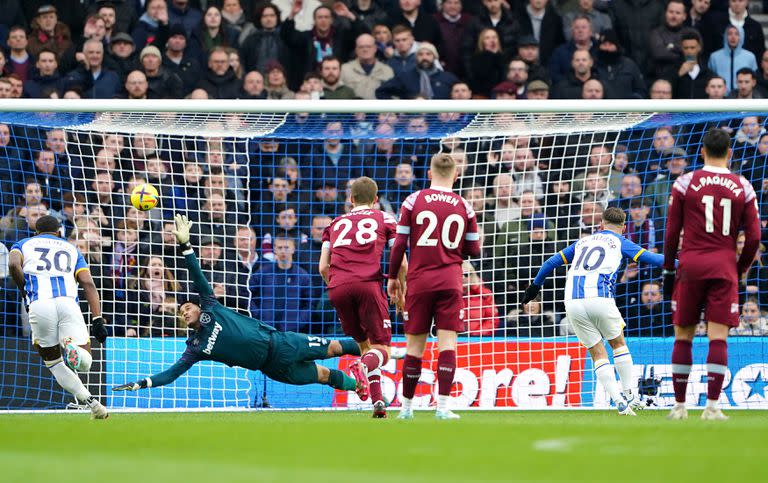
<point x="594" y="319"/>
<point x="53" y="320"/>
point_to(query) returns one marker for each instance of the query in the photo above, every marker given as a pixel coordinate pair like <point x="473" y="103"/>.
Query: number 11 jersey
<point x="438" y="222"/>
<point x="356" y="241"/>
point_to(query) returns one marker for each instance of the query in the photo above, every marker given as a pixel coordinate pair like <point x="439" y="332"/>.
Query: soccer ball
<point x="144" y="197"/>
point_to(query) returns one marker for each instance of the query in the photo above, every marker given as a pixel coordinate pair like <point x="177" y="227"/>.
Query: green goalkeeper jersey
<point x="224" y="335"/>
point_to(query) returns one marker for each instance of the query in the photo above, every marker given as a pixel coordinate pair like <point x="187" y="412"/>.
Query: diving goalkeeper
<point x="223" y="335"/>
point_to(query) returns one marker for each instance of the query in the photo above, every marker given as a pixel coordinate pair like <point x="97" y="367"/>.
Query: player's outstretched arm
<point x="193" y="266"/>
<point x="161" y="379"/>
<point x="98" y="322"/>
<point x="558" y="259"/>
<point x="636" y="253"/>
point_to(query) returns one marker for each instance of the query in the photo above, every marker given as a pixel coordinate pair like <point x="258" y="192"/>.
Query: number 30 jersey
<point x="595" y="261"/>
<point x="356" y="241"/>
<point x="439" y="223"/>
<point x="50" y="266"/>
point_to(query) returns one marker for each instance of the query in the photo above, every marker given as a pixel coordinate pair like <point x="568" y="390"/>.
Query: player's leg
<point x="346" y="300"/>
<point x="417" y="323"/>
<point x="74" y="335"/>
<point x="722" y="313"/>
<point x="340" y="347"/>
<point x="373" y="314"/>
<point x="331" y="377"/>
<point x="448" y="320"/>
<point x="604" y="373"/>
<point x="611" y="326"/>
<point x="687" y="301"/>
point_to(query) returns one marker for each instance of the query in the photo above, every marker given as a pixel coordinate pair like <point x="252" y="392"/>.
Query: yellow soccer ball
<point x="144" y="197"/>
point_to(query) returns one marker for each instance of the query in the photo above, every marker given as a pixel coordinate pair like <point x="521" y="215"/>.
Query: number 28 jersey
<point x="438" y="222"/>
<point x="50" y="266"/>
<point x="356" y="241"/>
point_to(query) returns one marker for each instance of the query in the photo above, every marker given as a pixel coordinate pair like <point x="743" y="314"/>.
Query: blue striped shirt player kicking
<point x="590" y="307"/>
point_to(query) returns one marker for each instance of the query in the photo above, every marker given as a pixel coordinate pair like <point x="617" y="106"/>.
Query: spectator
<point x="220" y="271"/>
<point x="665" y="42"/>
<point x="122" y="51"/>
<point x="593" y="89"/>
<point x="600" y="21"/>
<point x="658" y="189"/>
<point x="17" y="86"/>
<point x="265" y="43"/>
<point x="213" y="33"/>
<point x="582" y="38"/>
<point x="537" y="90"/>
<point x="125" y="13"/>
<point x="493" y="16"/>
<point x="649" y="317"/>
<point x="505" y="209"/>
<point x="581" y="71"/>
<point x="46" y="78"/>
<point x="404" y="52"/>
<point x="5" y="88"/>
<point x="528" y="52"/>
<point x="220" y="81"/>
<point x="640" y="228"/>
<point x="480" y="313"/>
<point x="180" y="62"/>
<point x="692" y="73"/>
<point x="365" y="73"/>
<point x="453" y="24"/>
<point x="746" y="140"/>
<point x="746" y="85"/>
<point x="48" y="33"/>
<point x="619" y="72"/>
<point x="93" y="29"/>
<point x="369" y="12"/>
<point x="751" y="322"/>
<point x="732" y="57"/>
<point x="486" y="66"/>
<point x="542" y="21"/>
<point x="96" y="81"/>
<point x="332" y="160"/>
<point x="384" y="45"/>
<point x="304" y="17"/>
<point x="19" y="61"/>
<point x="709" y="23"/>
<point x="246" y="255"/>
<point x="162" y="84"/>
<point x="424" y="27"/>
<point x="281" y="291"/>
<point x="762" y="74"/>
<point x="631" y="187"/>
<point x="426" y="80"/>
<point x="253" y="86"/>
<point x="590" y="217"/>
<point x="333" y="87"/>
<point x="661" y="89"/>
<point x="277" y="87"/>
<point x="179" y="12"/>
<point x="327" y="38"/>
<point x="136" y="85"/>
<point x="531" y="321"/>
<point x="309" y="253"/>
<point x="157" y="289"/>
<point x="634" y="20"/>
<point x="716" y="88"/>
<point x="152" y="24"/>
<point x="402" y="184"/>
<point x="215" y="219"/>
<point x="753" y="37"/>
<point x="235" y="18"/>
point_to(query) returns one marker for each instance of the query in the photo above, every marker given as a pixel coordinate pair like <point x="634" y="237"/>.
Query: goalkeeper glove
<point x="669" y="283"/>
<point x="531" y="292"/>
<point x="182" y="230"/>
<point x="98" y="331"/>
<point x="134" y="386"/>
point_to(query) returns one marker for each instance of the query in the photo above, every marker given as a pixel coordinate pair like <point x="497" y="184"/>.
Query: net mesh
<point x="537" y="181"/>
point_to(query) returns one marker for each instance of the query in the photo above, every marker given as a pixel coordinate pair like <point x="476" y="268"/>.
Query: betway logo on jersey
<point x="716" y="180"/>
<point x="212" y="339"/>
<point x="442" y="197"/>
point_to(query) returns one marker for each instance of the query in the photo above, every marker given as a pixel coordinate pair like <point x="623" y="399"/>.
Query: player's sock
<point x="717" y="364"/>
<point x="374" y="385"/>
<point x="374" y="358"/>
<point x="605" y="374"/>
<point x="622" y="359"/>
<point x="339" y="380"/>
<point x="405" y="403"/>
<point x="446" y="369"/>
<point x="68" y="379"/>
<point x="350" y="347"/>
<point x="682" y="358"/>
<point x="411" y="375"/>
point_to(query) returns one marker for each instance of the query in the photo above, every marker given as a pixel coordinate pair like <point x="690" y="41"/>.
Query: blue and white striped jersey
<point x="50" y="266"/>
<point x="595" y="261"/>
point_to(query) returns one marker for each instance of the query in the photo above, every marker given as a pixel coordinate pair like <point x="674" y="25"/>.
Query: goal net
<point x="246" y="175"/>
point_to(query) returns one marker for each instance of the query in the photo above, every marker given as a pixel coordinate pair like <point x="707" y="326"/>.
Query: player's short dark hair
<point x="364" y="190"/>
<point x="192" y="299"/>
<point x="614" y="215"/>
<point x="746" y="71"/>
<point x="716" y="142"/>
<point x="443" y="165"/>
<point x="47" y="224"/>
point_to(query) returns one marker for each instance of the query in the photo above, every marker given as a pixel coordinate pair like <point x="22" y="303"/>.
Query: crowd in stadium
<point x="532" y="194"/>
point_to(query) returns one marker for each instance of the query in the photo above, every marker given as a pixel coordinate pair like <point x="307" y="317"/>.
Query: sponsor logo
<point x="212" y="339"/>
<point x="205" y="318"/>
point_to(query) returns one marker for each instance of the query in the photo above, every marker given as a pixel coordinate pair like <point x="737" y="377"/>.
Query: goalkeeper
<point x="224" y="335"/>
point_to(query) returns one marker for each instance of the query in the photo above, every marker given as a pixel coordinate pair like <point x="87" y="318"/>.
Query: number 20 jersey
<point x="356" y="241"/>
<point x="50" y="267"/>
<point x="438" y="222"/>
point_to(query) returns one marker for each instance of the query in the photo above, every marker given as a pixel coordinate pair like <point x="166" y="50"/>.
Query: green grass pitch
<point x="316" y="447"/>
